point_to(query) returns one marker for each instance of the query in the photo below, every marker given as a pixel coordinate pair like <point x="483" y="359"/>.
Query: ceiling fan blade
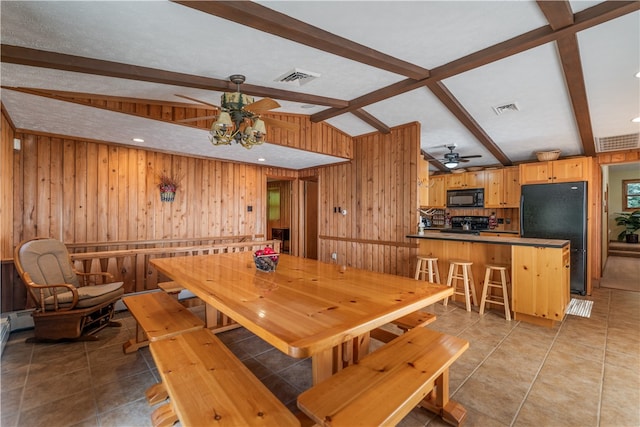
<point x="197" y="100"/>
<point x="262" y="106"/>
<point x="475" y="156"/>
<point x="281" y="124"/>
<point x="195" y="119"/>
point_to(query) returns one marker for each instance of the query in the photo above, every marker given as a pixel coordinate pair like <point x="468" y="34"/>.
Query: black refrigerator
<point x="559" y="211"/>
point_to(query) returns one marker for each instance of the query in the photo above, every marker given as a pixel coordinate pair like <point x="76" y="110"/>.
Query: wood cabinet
<point x="437" y="192"/>
<point x="502" y="188"/>
<point x="565" y="170"/>
<point x="540" y="277"/>
<point x="465" y="180"/>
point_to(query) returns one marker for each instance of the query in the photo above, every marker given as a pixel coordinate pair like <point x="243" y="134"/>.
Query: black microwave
<point x="472" y="198"/>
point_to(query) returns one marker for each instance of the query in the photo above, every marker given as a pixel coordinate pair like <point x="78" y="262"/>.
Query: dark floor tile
<point x="133" y="414"/>
<point x="275" y="360"/>
<point x="284" y="391"/>
<point x="61" y="412"/>
<point x="298" y="375"/>
<point x="257" y="368"/>
<point x="118" y="393"/>
<point x="59" y="385"/>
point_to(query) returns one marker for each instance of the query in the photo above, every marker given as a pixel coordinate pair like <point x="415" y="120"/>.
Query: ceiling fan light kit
<point x="235" y="123"/>
<point x="451" y="164"/>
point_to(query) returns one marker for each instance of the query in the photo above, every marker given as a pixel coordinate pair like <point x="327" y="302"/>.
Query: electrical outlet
<point x="334" y="255"/>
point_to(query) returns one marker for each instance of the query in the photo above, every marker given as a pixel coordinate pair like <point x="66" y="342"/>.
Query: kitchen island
<point x="540" y="269"/>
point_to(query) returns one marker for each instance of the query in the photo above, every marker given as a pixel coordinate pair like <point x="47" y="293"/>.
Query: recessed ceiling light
<point x="636" y="120"/>
<point x="261" y="159"/>
<point x="307" y="106"/>
<point x="638" y="74"/>
<point x="138" y="140"/>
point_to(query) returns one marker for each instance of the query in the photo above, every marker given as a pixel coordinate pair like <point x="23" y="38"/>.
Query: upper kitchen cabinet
<point x="502" y="188"/>
<point x="465" y="180"/>
<point x="565" y="170"/>
<point x="437" y="192"/>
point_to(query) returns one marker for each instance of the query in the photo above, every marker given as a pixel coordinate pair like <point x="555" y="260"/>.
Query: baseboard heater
<point x="5" y="330"/>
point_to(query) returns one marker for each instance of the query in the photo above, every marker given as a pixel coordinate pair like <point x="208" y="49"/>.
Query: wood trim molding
<point x="369" y="242"/>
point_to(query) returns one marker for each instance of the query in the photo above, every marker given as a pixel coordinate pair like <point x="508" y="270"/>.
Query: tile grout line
<point x="487" y="356"/>
<point x="24" y="386"/>
<point x="604" y="359"/>
<point x="535" y="378"/>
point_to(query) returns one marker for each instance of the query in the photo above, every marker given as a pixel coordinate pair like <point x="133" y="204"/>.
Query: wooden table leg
<point x="326" y="363"/>
<point x="439" y="403"/>
<point x="218" y="321"/>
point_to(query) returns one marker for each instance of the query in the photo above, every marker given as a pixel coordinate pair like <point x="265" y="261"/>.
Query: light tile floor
<point x="583" y="372"/>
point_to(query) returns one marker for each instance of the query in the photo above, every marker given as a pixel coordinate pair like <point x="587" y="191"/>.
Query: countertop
<point x="495" y="230"/>
<point x="496" y="240"/>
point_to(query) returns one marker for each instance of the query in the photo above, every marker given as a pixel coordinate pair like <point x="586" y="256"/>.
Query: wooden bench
<point x="384" y="386"/>
<point x="207" y="385"/>
<point x="416" y="319"/>
<point x="171" y="288"/>
<point x="214" y="319"/>
<point x="158" y="316"/>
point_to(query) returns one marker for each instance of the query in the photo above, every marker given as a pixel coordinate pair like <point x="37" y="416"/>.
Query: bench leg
<point x="133" y="345"/>
<point x="156" y="393"/>
<point x="164" y="416"/>
<point x="438" y="402"/>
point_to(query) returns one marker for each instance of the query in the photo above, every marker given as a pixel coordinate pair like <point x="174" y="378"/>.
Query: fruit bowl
<point x="266" y="259"/>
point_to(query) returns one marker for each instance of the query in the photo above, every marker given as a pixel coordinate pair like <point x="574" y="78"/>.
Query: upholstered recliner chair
<point x="68" y="305"/>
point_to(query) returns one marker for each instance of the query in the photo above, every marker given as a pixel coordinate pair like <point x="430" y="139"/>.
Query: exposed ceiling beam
<point x="60" y="61"/>
<point x="574" y="77"/>
<point x="435" y="162"/>
<point x="588" y="18"/>
<point x="262" y="18"/>
<point x="450" y="101"/>
<point x="368" y="118"/>
<point x="558" y="13"/>
<point x="395" y="89"/>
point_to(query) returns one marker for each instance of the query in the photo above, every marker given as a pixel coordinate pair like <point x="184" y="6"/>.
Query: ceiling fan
<point x="239" y="119"/>
<point x="451" y="159"/>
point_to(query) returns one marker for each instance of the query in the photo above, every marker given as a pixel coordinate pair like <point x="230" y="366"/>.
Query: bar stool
<point x="460" y="270"/>
<point x="488" y="297"/>
<point x="427" y="267"/>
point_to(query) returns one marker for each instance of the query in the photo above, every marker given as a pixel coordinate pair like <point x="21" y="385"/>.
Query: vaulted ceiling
<point x="500" y="79"/>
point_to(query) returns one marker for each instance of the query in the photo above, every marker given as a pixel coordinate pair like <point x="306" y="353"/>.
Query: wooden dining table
<point x="305" y="308"/>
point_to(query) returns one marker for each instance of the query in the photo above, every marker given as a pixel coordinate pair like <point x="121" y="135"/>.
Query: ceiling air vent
<point x="297" y="77"/>
<point x="617" y="143"/>
<point x="501" y="109"/>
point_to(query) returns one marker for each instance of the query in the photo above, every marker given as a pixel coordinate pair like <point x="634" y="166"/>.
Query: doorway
<point x="279" y="213"/>
<point x="621" y="261"/>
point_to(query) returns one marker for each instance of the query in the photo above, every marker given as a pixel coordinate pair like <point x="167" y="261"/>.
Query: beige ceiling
<point x="568" y="67"/>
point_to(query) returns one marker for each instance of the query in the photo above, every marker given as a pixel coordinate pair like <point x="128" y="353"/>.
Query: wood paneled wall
<point x="80" y="191"/>
<point x="6" y="188"/>
<point x="378" y="189"/>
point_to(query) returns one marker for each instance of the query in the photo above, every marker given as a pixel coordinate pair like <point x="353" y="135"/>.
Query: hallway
<point x="621" y="272"/>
